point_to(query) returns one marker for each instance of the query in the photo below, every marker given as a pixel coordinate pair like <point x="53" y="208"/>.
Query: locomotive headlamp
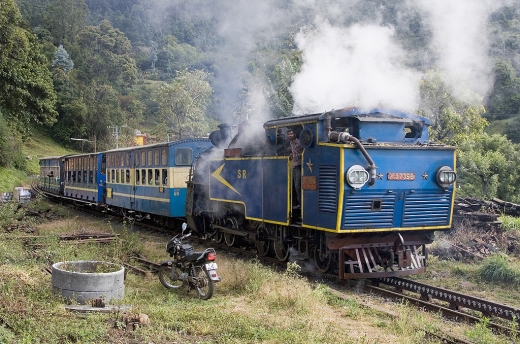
<point x="446" y="176"/>
<point x="356" y="176"/>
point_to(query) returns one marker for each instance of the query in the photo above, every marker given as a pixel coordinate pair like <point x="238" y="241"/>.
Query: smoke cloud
<point x="359" y="65"/>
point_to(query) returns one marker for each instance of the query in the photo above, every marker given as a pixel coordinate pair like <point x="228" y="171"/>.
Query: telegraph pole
<point x="116" y="131"/>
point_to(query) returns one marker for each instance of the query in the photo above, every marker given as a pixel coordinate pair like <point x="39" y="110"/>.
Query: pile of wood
<point x="476" y="231"/>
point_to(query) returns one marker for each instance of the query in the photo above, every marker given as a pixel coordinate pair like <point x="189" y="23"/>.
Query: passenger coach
<point x="151" y="180"/>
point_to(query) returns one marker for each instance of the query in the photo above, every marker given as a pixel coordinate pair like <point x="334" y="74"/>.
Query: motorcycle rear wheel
<point x="204" y="284"/>
<point x="169" y="276"/>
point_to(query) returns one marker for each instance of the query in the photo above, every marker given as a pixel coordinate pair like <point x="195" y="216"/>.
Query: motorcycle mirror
<point x="184" y="226"/>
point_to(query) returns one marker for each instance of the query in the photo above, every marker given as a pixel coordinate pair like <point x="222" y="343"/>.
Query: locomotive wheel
<point x="281" y="251"/>
<point x="322" y="255"/>
<point x="262" y="247"/>
<point x="262" y="242"/>
<point x="229" y="239"/>
<point x="231" y="223"/>
<point x="219" y="237"/>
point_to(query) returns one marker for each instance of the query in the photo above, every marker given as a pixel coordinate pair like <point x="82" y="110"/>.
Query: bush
<point x="498" y="269"/>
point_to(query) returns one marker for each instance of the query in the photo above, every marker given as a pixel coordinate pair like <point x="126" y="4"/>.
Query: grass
<point x="36" y="147"/>
<point x="252" y="304"/>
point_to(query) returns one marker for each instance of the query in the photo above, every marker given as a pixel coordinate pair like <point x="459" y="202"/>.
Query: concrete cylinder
<point x="81" y="281"/>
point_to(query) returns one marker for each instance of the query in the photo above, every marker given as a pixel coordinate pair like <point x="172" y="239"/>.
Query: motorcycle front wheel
<point x="203" y="284"/>
<point x="169" y="276"/>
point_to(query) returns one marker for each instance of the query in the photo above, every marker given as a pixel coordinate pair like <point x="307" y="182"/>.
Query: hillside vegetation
<point x="88" y="69"/>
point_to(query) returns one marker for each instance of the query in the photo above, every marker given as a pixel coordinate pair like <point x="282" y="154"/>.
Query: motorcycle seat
<point x="193" y="256"/>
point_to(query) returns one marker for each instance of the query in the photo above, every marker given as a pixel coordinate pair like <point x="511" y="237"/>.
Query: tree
<point x="65" y="19"/>
<point x="280" y="98"/>
<point x="106" y="57"/>
<point x="62" y="60"/>
<point x="26" y="91"/>
<point x="489" y="167"/>
<point x="183" y="102"/>
<point x="454" y="119"/>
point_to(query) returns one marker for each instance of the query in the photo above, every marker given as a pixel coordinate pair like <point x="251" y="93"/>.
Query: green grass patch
<point x="498" y="268"/>
<point x="510" y="223"/>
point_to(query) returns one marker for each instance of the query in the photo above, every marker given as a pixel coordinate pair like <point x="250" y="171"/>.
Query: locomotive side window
<point x="183" y="156"/>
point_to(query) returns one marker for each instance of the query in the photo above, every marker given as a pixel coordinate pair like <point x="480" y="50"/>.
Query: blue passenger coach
<point x="151" y="180"/>
<point x="84" y="177"/>
<point x="51" y="169"/>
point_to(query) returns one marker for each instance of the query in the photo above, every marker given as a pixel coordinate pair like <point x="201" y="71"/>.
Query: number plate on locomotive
<point x="211" y="266"/>
<point x="400" y="176"/>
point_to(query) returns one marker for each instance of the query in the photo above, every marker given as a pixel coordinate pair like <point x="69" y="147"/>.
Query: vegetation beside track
<point x="253" y="303"/>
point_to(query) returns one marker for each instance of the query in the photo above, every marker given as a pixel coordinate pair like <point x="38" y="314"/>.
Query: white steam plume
<point x="460" y="41"/>
<point x="356" y="66"/>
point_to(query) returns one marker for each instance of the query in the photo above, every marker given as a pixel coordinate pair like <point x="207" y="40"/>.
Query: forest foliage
<point x="77" y="68"/>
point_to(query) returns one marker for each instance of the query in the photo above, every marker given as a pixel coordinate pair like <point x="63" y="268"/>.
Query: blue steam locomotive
<point x="373" y="190"/>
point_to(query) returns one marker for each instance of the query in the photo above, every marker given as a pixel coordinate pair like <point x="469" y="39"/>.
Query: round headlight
<point x="356" y="176"/>
<point x="446" y="176"/>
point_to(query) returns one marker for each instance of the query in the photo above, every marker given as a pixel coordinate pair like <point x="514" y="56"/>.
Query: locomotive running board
<point x="368" y="263"/>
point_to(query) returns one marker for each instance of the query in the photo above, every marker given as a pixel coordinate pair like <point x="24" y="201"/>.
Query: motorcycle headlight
<point x="356" y="176"/>
<point x="446" y="177"/>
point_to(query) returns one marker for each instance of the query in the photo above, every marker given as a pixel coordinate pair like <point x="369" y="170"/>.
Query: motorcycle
<point x="193" y="270"/>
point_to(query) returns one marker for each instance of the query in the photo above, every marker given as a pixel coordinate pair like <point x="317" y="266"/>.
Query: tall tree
<point x="62" y="60"/>
<point x="454" y="119"/>
<point x="183" y="102"/>
<point x="26" y="90"/>
<point x="489" y="166"/>
<point x="106" y="57"/>
<point x="65" y="19"/>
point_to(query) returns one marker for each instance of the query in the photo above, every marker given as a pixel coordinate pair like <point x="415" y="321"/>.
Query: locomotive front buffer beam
<point x="384" y="259"/>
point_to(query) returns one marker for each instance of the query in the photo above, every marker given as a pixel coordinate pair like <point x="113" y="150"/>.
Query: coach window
<point x="113" y="176"/>
<point x="149" y="162"/>
<point x="103" y="164"/>
<point x="143" y="158"/>
<point x="127" y="175"/>
<point x="157" y="176"/>
<point x="127" y="159"/>
<point x="164" y="177"/>
<point x="137" y="177"/>
<point x="79" y="177"/>
<point x="156" y="157"/>
<point x="164" y="156"/>
<point x="143" y="176"/>
<point x="118" y="179"/>
<point x="183" y="156"/>
<point x="136" y="159"/>
<point x="150" y="176"/>
<point x="91" y="177"/>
